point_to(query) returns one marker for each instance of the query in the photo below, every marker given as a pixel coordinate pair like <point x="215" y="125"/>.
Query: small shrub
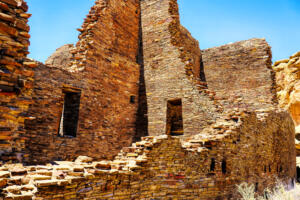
<point x="247" y="192"/>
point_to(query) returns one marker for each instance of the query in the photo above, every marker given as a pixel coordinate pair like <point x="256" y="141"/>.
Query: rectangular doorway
<point x="174" y="118"/>
<point x="70" y="114"/>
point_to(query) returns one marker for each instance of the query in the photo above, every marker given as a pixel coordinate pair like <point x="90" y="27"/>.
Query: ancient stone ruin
<point x="135" y="110"/>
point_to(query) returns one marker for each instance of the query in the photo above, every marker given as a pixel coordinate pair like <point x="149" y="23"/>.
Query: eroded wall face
<point x="104" y="67"/>
<point x="288" y="84"/>
<point x="172" y="65"/>
<point x="15" y="78"/>
<point x="162" y="167"/>
<point x="288" y="89"/>
<point x="241" y="74"/>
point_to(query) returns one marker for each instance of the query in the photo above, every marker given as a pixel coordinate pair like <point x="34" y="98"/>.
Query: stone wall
<point x="15" y="78"/>
<point x="241" y="74"/>
<point x="104" y="68"/>
<point x="240" y="148"/>
<point x="172" y="61"/>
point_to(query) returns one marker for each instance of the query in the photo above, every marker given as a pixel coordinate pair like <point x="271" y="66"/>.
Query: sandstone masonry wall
<point x="104" y="68"/>
<point x="15" y="78"/>
<point x="172" y="65"/>
<point x="241" y="74"/>
<point x="207" y="167"/>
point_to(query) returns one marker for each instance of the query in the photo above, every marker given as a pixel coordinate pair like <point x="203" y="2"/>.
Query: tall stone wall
<point x="172" y="70"/>
<point x="104" y="68"/>
<point x="206" y="167"/>
<point x="241" y="74"/>
<point x="15" y="78"/>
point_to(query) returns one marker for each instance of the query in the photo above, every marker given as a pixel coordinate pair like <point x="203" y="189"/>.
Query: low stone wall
<point x="16" y="78"/>
<point x="208" y="166"/>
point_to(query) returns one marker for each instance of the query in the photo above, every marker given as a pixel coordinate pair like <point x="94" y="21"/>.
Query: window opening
<point x="132" y="99"/>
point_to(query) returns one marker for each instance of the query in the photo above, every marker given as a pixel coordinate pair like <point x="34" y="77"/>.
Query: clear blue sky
<point x="211" y="22"/>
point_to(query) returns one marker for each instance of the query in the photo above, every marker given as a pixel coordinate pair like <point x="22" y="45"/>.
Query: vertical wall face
<point x="104" y="68"/>
<point x="241" y="74"/>
<point x="258" y="150"/>
<point x="172" y="65"/>
<point x="15" y="78"/>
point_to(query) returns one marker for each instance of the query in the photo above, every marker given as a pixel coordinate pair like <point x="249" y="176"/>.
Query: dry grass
<point x="280" y="192"/>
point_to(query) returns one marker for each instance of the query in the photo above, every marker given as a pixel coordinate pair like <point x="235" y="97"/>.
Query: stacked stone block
<point x="241" y="74"/>
<point x="172" y="61"/>
<point x="103" y="66"/>
<point x="208" y="166"/>
<point x="16" y="78"/>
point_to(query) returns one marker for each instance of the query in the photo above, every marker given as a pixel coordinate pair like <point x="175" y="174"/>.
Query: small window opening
<point x="265" y="169"/>
<point x="270" y="170"/>
<point x="280" y="169"/>
<point x="132" y="99"/>
<point x="256" y="187"/>
<point x="236" y="119"/>
<point x="224" y="167"/>
<point x="70" y="114"/>
<point x="174" y="118"/>
<point x="212" y="165"/>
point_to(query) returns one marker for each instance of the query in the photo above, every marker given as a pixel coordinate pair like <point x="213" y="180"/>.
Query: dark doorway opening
<point x="174" y="117"/>
<point x="70" y="114"/>
<point x="224" y="167"/>
<point x="212" y="165"/>
<point x="298" y="174"/>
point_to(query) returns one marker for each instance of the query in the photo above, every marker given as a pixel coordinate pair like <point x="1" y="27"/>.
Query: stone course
<point x="136" y="71"/>
<point x="241" y="74"/>
<point x="107" y="48"/>
<point x="172" y="61"/>
<point x="16" y="78"/>
<point x="208" y="166"/>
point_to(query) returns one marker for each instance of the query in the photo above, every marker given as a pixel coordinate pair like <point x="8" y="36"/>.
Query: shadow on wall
<point x="142" y="113"/>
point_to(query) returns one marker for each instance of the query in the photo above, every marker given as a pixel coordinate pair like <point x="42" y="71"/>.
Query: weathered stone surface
<point x="15" y="79"/>
<point x="172" y="65"/>
<point x="83" y="159"/>
<point x="61" y="58"/>
<point x="133" y="54"/>
<point x="209" y="168"/>
<point x="288" y="85"/>
<point x="103" y="68"/>
<point x="241" y="74"/>
<point x="288" y="89"/>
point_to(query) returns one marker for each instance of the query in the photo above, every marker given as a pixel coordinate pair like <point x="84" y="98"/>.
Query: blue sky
<point x="211" y="22"/>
